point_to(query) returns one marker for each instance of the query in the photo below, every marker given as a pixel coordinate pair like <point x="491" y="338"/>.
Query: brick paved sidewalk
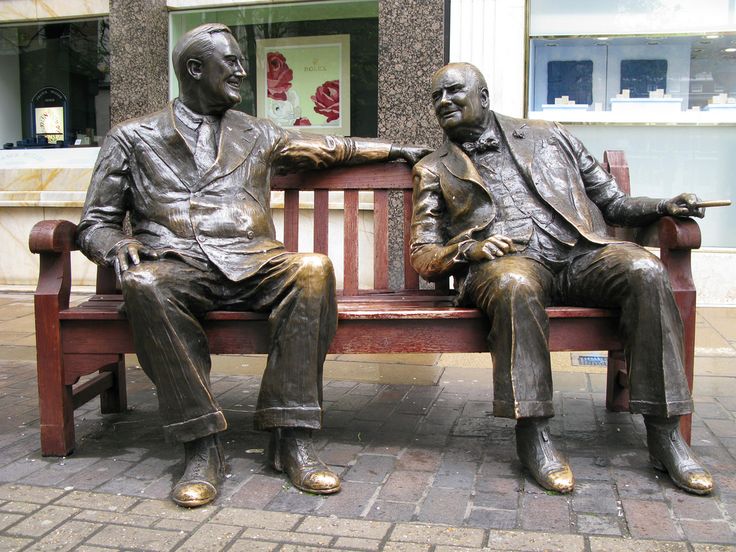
<point x="424" y="467"/>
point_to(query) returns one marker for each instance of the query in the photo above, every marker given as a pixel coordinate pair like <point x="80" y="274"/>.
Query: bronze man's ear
<point x="194" y="68"/>
<point x="484" y="97"/>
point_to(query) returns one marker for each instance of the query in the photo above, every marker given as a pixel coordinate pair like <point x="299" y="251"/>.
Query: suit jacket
<point x="222" y="215"/>
<point x="452" y="207"/>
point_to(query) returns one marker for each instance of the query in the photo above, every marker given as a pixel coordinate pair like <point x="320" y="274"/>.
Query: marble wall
<point x="411" y="47"/>
<point x="30" y="10"/>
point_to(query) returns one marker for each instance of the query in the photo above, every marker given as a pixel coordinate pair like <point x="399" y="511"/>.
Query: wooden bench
<point x="92" y="338"/>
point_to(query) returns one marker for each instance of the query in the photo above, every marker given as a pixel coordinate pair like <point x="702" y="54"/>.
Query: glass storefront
<point x="309" y="64"/>
<point x="55" y="86"/>
<point x="655" y="79"/>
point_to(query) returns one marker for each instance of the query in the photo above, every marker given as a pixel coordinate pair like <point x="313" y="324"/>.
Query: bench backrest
<point x="382" y="181"/>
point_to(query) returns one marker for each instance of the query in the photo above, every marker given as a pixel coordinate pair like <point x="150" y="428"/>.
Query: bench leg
<point x="617" y="391"/>
<point x="56" y="407"/>
<point x="115" y="399"/>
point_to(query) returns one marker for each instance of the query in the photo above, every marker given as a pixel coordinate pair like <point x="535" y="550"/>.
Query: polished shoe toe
<point x="203" y="472"/>
<point x="192" y="494"/>
<point x="292" y="451"/>
<point x="539" y="455"/>
<point x="669" y="453"/>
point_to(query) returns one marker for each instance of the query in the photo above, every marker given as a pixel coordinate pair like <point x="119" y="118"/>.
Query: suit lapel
<point x="236" y="142"/>
<point x="520" y="140"/>
<point x="161" y="136"/>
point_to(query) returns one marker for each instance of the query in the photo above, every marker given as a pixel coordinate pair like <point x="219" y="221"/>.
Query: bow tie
<point x="486" y="142"/>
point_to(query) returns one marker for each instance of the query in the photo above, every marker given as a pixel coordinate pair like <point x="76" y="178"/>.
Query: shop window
<point x="634" y="79"/>
<point x="55" y="88"/>
<point x="309" y="64"/>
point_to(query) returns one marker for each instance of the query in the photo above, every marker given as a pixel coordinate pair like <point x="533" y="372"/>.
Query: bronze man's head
<point x="209" y="66"/>
<point x="461" y="101"/>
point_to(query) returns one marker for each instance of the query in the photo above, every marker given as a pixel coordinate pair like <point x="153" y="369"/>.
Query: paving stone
<point x="66" y="537"/>
<point x="456" y="474"/>
<point x="19" y="507"/>
<point x="437" y="534"/>
<point x="11" y="544"/>
<point x="688" y="506"/>
<point x="138" y="538"/>
<point x="340" y="454"/>
<point x="257" y="491"/>
<point x="291" y="499"/>
<point x="419" y="459"/>
<point x="351" y="501"/>
<point x="344" y="527"/>
<point x="247" y="545"/>
<point x="98" y="516"/>
<point x="649" y="520"/>
<point x="590" y="467"/>
<point x="595" y="524"/>
<point x="167" y="509"/>
<point x="639" y="485"/>
<point x="383" y="510"/>
<point x="713" y="548"/>
<point x="259" y="519"/>
<point x="6" y="520"/>
<point x="405" y="547"/>
<point x="107" y="502"/>
<point x="98" y="474"/>
<point x="405" y="486"/>
<point x="286" y="536"/>
<point x="492" y="519"/>
<point x="446" y="506"/>
<point x="594" y="498"/>
<point x="357" y="544"/>
<point x="41" y="522"/>
<point x="540" y="512"/>
<point x="608" y="544"/>
<point x="708" y="531"/>
<point x="174" y="525"/>
<point x="533" y="541"/>
<point x="371" y="468"/>
<point x="497" y="492"/>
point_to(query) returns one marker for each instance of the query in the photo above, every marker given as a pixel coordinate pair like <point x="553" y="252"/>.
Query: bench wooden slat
<point x="380" y="239"/>
<point x="350" y="243"/>
<point x="321" y="221"/>
<point x="291" y="220"/>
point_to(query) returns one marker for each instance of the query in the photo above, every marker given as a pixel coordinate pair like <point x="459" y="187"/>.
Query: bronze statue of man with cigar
<point x="516" y="210"/>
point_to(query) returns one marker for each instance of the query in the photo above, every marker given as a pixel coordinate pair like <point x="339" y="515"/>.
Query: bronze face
<point x="460" y="102"/>
<point x="220" y="74"/>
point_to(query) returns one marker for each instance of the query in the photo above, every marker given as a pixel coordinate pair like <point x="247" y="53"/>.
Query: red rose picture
<point x="279" y="76"/>
<point x="327" y="100"/>
<point x="302" y="121"/>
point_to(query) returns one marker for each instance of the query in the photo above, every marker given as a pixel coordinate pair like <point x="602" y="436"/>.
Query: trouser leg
<point x="162" y="299"/>
<point x="299" y="288"/>
<point x="514" y="291"/>
<point x="628" y="277"/>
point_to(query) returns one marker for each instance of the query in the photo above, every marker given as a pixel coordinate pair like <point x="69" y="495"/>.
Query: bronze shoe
<point x="539" y="455"/>
<point x="292" y="451"/>
<point x="205" y="468"/>
<point x="669" y="453"/>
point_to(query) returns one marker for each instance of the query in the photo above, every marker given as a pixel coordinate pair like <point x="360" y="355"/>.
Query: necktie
<point x="206" y="150"/>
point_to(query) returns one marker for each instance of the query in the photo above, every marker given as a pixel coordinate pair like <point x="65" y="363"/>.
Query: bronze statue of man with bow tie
<point x="194" y="178"/>
<point x="516" y="210"/>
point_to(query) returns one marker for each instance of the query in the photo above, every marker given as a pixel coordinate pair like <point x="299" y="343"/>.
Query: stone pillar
<point x="139" y="59"/>
<point x="411" y="46"/>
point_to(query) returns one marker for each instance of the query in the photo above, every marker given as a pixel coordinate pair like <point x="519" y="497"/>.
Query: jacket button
<point x="250" y="234"/>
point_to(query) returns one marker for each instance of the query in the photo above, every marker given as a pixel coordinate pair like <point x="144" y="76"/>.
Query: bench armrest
<point x="52" y="236"/>
<point x="53" y="240"/>
<point x="670" y="233"/>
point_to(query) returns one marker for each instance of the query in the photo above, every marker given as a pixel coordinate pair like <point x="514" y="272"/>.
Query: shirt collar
<point x="191" y="119"/>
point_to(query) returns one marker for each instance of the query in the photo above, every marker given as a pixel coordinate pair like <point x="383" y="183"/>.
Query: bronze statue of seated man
<point x="194" y="178"/>
<point x="516" y="210"/>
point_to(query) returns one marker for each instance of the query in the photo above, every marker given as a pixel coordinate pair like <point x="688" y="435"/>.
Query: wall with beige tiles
<point x="30" y="10"/>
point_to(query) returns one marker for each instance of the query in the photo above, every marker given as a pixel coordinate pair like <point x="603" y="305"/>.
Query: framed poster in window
<point x="304" y="82"/>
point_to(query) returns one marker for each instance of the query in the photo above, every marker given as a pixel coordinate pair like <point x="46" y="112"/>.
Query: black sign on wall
<point x="49" y="114"/>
